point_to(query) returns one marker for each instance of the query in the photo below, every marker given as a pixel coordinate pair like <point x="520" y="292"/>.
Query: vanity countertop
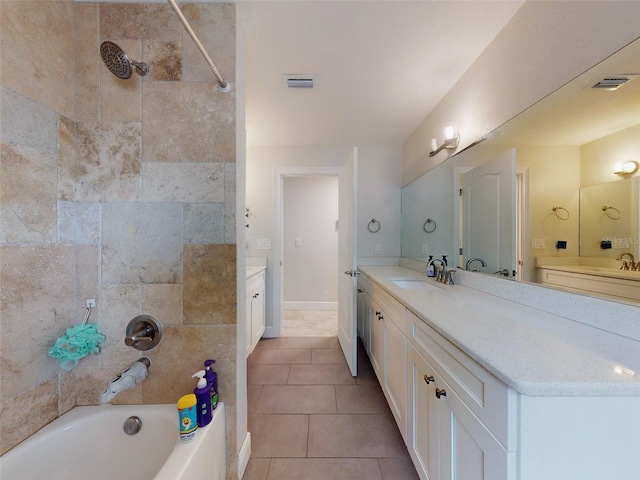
<point x="534" y="352"/>
<point x="254" y="270"/>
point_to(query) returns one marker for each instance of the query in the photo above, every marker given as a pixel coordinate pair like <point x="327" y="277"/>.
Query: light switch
<point x="298" y="242"/>
<point x="424" y="250"/>
<point x="264" y="244"/>
<point x="537" y="243"/>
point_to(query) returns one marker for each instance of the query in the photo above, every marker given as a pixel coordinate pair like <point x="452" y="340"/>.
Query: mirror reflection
<point x="571" y="217"/>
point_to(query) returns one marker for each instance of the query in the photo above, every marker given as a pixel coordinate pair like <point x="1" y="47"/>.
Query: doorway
<point x="310" y="256"/>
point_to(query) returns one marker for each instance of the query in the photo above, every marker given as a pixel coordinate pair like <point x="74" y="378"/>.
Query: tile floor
<point x="311" y="420"/>
<point x="305" y="323"/>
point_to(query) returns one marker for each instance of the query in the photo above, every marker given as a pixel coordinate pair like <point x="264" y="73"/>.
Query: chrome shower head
<point x="118" y="63"/>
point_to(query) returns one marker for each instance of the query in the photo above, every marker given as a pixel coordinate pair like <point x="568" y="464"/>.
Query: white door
<point x="488" y="214"/>
<point x="347" y="282"/>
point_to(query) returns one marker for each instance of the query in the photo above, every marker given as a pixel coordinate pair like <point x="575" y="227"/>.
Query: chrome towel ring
<point x="612" y="212"/>
<point x="563" y="216"/>
<point x="430" y="229"/>
<point x="374" y="226"/>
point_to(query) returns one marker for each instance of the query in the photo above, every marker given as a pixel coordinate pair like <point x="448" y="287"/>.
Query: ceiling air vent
<point x="613" y="82"/>
<point x="298" y="81"/>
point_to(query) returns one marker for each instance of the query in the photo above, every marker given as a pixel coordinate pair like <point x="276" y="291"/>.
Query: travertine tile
<point x="25" y="122"/>
<point x="181" y="353"/>
<point x="79" y="223"/>
<point x="41" y="403"/>
<point x="324" y="469"/>
<point x="204" y="223"/>
<point x="87" y="275"/>
<point x="42" y="67"/>
<point x="163" y="302"/>
<point x="141" y="243"/>
<point x="66" y="159"/>
<point x="108" y="162"/>
<point x="230" y="202"/>
<point x="164" y="60"/>
<point x="139" y="21"/>
<point x="36" y="307"/>
<point x="66" y="392"/>
<point x="205" y="132"/>
<point x="120" y="100"/>
<point x="183" y="182"/>
<point x="210" y="284"/>
<point x="26" y="218"/>
<point x="215" y="26"/>
<point x="87" y="62"/>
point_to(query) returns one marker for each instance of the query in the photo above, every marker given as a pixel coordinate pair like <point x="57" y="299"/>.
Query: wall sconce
<point x="451" y="141"/>
<point x="626" y="168"/>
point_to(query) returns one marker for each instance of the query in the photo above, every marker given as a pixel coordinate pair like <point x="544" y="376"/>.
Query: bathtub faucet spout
<point x="126" y="380"/>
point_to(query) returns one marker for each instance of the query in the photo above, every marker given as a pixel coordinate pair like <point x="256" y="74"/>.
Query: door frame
<point x="280" y="174"/>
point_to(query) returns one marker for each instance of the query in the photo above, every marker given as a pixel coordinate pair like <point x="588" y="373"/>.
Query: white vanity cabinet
<point x="255" y="310"/>
<point x="388" y="351"/>
<point x="364" y="312"/>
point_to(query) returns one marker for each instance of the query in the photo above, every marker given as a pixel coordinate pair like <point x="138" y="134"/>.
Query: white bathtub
<point x="89" y="443"/>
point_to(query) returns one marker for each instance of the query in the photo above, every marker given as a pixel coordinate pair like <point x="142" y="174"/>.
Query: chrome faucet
<point x="630" y="265"/>
<point x="471" y="260"/>
<point x="126" y="380"/>
<point x="444" y="274"/>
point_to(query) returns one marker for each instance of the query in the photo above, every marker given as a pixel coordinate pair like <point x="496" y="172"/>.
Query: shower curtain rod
<point x="224" y="85"/>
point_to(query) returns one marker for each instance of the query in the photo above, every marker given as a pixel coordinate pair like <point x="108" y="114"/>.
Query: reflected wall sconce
<point x="451" y="141"/>
<point x="626" y="168"/>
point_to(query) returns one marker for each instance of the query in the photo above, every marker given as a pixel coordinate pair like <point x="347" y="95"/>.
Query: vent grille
<point x="298" y="81"/>
<point x="613" y="82"/>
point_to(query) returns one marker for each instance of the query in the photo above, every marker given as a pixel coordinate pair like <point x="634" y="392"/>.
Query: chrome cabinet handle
<point x="429" y="379"/>
<point x="441" y="392"/>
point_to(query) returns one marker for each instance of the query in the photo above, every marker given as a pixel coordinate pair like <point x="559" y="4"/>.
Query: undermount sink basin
<point x="414" y="284"/>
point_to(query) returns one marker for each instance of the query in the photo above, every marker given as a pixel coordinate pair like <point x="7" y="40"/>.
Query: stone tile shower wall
<point x="118" y="190"/>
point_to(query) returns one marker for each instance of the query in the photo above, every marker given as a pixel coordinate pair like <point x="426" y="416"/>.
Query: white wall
<point x="545" y="45"/>
<point x="379" y="178"/>
<point x="310" y="241"/>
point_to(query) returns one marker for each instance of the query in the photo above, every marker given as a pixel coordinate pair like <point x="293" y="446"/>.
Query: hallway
<point x="311" y="420"/>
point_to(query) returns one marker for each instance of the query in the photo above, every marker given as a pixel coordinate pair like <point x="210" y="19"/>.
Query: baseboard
<point x="244" y="455"/>
<point x="309" y="305"/>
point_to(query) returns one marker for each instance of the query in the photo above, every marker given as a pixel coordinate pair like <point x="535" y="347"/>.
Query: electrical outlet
<point x="538" y="243"/>
<point x="264" y="244"/>
<point x="424" y="250"/>
<point x="377" y="249"/>
<point x="298" y="242"/>
<point x="91" y="303"/>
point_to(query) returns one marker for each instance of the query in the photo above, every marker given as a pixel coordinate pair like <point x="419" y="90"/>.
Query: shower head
<point x="118" y="63"/>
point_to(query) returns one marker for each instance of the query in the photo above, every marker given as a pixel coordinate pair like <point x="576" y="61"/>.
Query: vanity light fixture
<point x="451" y="141"/>
<point x="626" y="168"/>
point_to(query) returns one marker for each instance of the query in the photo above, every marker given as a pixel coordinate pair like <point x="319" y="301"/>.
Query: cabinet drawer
<point x="391" y="307"/>
<point x="486" y="396"/>
<point x="363" y="282"/>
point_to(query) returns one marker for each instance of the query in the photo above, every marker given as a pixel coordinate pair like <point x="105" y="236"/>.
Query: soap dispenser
<point x="431" y="269"/>
<point x="212" y="381"/>
<point x="203" y="396"/>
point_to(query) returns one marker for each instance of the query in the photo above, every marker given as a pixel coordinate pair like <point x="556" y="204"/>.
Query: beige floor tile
<point x="328" y="355"/>
<point x="257" y="469"/>
<point x="361" y="399"/>
<point x="296" y="399"/>
<point x="253" y="394"/>
<point x="397" y="469"/>
<point x="334" y="343"/>
<point x="304" y="342"/>
<point x="280" y="356"/>
<point x="267" y="374"/>
<point x="354" y="436"/>
<point x="268" y="343"/>
<point x="324" y="469"/>
<point x="319" y="374"/>
<point x="278" y="435"/>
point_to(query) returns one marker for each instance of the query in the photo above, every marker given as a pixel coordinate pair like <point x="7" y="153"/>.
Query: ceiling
<point x="379" y="67"/>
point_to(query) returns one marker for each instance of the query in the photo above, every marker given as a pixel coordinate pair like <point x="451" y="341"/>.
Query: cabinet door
<point x="257" y="315"/>
<point x="248" y="324"/>
<point x="423" y="426"/>
<point x="376" y="346"/>
<point x="395" y="378"/>
<point x="468" y="451"/>
<point x="363" y="316"/>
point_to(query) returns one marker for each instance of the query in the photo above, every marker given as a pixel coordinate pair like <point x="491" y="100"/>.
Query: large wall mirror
<point x="552" y="196"/>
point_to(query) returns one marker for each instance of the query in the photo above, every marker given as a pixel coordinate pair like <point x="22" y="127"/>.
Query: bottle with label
<point x="431" y="270"/>
<point x="187" y="417"/>
<point x="203" y="397"/>
<point x="212" y="381"/>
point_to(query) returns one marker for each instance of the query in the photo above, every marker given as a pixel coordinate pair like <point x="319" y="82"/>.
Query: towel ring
<point x="614" y="215"/>
<point x="557" y="210"/>
<point x="374" y="226"/>
<point x="430" y="230"/>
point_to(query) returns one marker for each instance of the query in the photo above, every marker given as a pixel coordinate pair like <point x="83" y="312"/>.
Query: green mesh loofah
<point x="77" y="343"/>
